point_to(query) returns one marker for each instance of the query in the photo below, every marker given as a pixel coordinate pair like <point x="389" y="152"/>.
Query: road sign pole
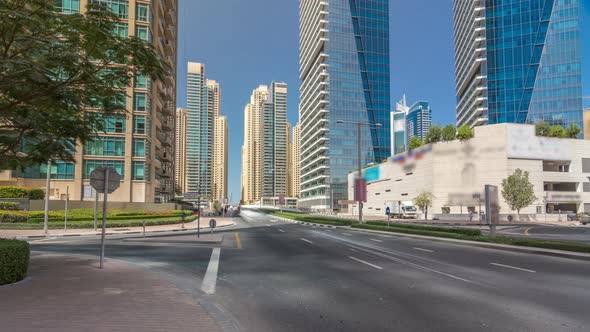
<point x="66" y="209"/>
<point x="47" y="188"/>
<point x="199" y="216"/>
<point x="104" y="215"/>
<point x="95" y="209"/>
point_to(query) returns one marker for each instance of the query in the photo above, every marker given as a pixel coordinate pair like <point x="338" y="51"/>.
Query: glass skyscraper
<point x="344" y="72"/>
<point x="518" y="61"/>
<point x="407" y="122"/>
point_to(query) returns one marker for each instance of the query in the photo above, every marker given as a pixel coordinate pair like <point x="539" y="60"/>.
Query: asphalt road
<point x="557" y="233"/>
<point x="275" y="276"/>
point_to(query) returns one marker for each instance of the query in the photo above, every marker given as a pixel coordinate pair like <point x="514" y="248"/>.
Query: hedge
<point x="313" y="219"/>
<point x="17" y="192"/>
<point x="10" y="206"/>
<point x="464" y="231"/>
<point x="14" y="261"/>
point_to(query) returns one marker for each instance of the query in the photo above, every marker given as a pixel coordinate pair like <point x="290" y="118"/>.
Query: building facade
<point x="587" y="123"/>
<point x="518" y="62"/>
<point x="407" y="122"/>
<point x="295" y="178"/>
<point x="138" y="143"/>
<point x="344" y="72"/>
<point x="265" y="168"/>
<point x="456" y="172"/>
<point x="220" y="159"/>
<point x="181" y="143"/>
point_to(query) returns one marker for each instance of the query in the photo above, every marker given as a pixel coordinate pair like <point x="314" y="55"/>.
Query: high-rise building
<point x="137" y="143"/>
<point x="518" y="61"/>
<point x="264" y="165"/>
<point x="289" y="161"/>
<point x="587" y="123"/>
<point x="407" y="122"/>
<point x="295" y="177"/>
<point x="220" y="159"/>
<point x="344" y="72"/>
<point x="200" y="133"/>
<point x="181" y="143"/>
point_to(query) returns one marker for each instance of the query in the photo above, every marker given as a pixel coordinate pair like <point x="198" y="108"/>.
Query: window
<point x="139" y="147"/>
<point x="114" y="124"/>
<point x="586" y="187"/>
<point x="121" y="30"/>
<point x="119" y="7"/>
<point x="586" y="165"/>
<point x="89" y="166"/>
<point x="139" y="124"/>
<point x="105" y="146"/>
<point x="68" y="6"/>
<point x="60" y="170"/>
<point x="142" y="82"/>
<point x="141" y="171"/>
<point x="141" y="102"/>
<point x="142" y="12"/>
<point x="143" y="33"/>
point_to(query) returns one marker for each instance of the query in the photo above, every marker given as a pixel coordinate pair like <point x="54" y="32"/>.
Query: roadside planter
<point x="14" y="261"/>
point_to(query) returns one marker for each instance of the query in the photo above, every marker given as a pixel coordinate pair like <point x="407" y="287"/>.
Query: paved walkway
<point x="221" y="222"/>
<point x="69" y="293"/>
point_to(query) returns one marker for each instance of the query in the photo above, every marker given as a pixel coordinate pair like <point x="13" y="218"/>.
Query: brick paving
<point x="69" y="293"/>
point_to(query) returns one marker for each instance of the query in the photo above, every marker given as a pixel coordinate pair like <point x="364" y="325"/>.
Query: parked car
<point x="585" y="219"/>
<point x="571" y="216"/>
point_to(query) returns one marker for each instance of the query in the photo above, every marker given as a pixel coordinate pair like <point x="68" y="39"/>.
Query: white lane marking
<point x="273" y="220"/>
<point x="210" y="279"/>
<point x="376" y="240"/>
<point x="282" y="231"/>
<point x="47" y="239"/>
<point x="367" y="263"/>
<point x="328" y="230"/>
<point x="422" y="249"/>
<point x="513" y="267"/>
<point x="306" y="240"/>
<point x="347" y="234"/>
<point x="354" y="250"/>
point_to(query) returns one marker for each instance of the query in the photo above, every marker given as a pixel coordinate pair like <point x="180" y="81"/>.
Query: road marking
<point x="526" y="231"/>
<point x="47" y="239"/>
<point x="422" y="249"/>
<point x="238" y="242"/>
<point x="354" y="250"/>
<point x="347" y="234"/>
<point x="328" y="230"/>
<point x="273" y="220"/>
<point x="282" y="231"/>
<point x="514" y="267"/>
<point x="306" y="240"/>
<point x="367" y="263"/>
<point x="210" y="279"/>
<point x="376" y="240"/>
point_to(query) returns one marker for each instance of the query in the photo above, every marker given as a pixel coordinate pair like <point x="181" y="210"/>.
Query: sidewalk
<point x="475" y="222"/>
<point x="192" y="226"/>
<point x="69" y="293"/>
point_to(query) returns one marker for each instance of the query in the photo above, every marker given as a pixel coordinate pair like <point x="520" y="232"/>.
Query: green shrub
<point x="37" y="194"/>
<point x="14" y="261"/>
<point x="10" y="206"/>
<point x="313" y="219"/>
<point x="13" y="217"/>
<point x="464" y="231"/>
<point x="13" y="192"/>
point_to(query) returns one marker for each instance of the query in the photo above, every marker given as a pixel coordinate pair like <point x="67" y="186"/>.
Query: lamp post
<point x="360" y="170"/>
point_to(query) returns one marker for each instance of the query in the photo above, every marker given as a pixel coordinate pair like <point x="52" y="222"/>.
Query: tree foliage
<point x="424" y="201"/>
<point x="545" y="130"/>
<point x="449" y="133"/>
<point x="465" y="133"/>
<point x="572" y="131"/>
<point x="518" y="191"/>
<point x="415" y="142"/>
<point x="556" y="131"/>
<point x="542" y="129"/>
<point x="53" y="68"/>
<point x="434" y="134"/>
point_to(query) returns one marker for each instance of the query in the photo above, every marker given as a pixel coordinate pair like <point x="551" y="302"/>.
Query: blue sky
<point x="244" y="43"/>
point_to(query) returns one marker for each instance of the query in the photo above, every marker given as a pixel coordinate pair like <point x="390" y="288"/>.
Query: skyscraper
<point x="518" y="61"/>
<point x="220" y="159"/>
<point x="181" y="143"/>
<point x="344" y="72"/>
<point x="139" y="142"/>
<point x="200" y="133"/>
<point x="295" y="178"/>
<point x="264" y="165"/>
<point x="407" y="122"/>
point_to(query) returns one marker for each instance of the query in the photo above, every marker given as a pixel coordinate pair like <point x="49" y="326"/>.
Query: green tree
<point x="415" y="142"/>
<point x="53" y="69"/>
<point x="518" y="191"/>
<point x="449" y="133"/>
<point x="424" y="201"/>
<point x="572" y="131"/>
<point x="557" y="131"/>
<point x="434" y="134"/>
<point x="465" y="133"/>
<point x="542" y="129"/>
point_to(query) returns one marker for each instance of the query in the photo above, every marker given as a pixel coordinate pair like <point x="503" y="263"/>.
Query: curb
<point x="34" y="237"/>
<point x="310" y="224"/>
<point x="497" y="246"/>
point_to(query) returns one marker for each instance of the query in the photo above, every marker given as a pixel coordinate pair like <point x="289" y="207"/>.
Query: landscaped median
<point x="473" y="235"/>
<point x="84" y="218"/>
<point x="311" y="218"/>
<point x="14" y="261"/>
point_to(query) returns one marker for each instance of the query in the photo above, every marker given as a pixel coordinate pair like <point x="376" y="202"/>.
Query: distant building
<point x="220" y="159"/>
<point x="181" y="142"/>
<point x="264" y="153"/>
<point x="518" y="62"/>
<point x="295" y="162"/>
<point x="456" y="172"/>
<point x="407" y="122"/>
<point x="587" y="123"/>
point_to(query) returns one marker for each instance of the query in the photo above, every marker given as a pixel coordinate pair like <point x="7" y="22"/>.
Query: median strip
<point x="367" y="263"/>
<point x="513" y="267"/>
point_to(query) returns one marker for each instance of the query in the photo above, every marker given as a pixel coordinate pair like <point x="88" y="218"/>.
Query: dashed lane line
<point x="367" y="263"/>
<point x="306" y="240"/>
<point x="375" y="240"/>
<point x="514" y="268"/>
<point x="421" y="249"/>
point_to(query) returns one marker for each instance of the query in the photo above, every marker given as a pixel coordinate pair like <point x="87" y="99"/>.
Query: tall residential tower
<point x="344" y="72"/>
<point x="518" y="61"/>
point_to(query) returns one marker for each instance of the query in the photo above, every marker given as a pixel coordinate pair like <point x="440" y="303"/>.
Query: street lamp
<point x="360" y="173"/>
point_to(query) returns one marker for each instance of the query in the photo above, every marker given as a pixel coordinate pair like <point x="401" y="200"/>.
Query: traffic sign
<point x="387" y="211"/>
<point x="98" y="176"/>
<point x="212" y="223"/>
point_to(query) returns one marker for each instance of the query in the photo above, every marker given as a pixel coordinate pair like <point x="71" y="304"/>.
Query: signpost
<point x="212" y="224"/>
<point x="106" y="180"/>
<point x="388" y="213"/>
<point x="492" y="208"/>
<point x="66" y="208"/>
